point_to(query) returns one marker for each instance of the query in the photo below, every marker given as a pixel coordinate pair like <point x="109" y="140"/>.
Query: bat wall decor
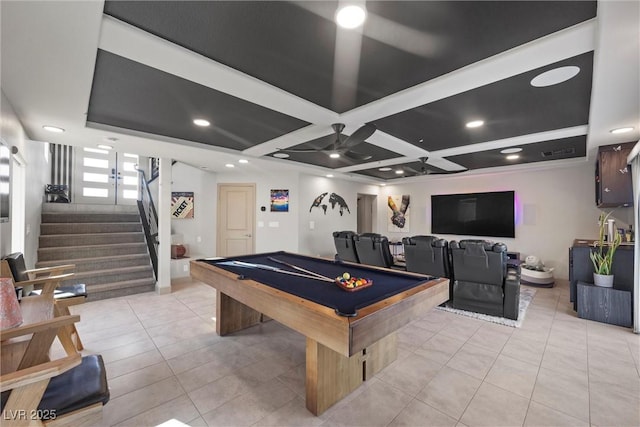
<point x="334" y="200"/>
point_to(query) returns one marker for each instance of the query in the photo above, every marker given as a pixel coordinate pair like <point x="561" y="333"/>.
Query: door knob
<point x="247" y="235"/>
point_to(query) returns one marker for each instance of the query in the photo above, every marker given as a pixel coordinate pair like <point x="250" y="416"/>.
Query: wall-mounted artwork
<point x="334" y="199"/>
<point x="279" y="200"/>
<point x="398" y="213"/>
<point x="182" y="205"/>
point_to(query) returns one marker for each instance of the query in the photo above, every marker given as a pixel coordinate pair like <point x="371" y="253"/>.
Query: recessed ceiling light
<point x="105" y="147"/>
<point x="513" y="156"/>
<point x="230" y="165"/>
<point x="384" y="169"/>
<point x="334" y="155"/>
<point x="421" y="140"/>
<point x="555" y="76"/>
<point x="475" y="124"/>
<point x="383" y="184"/>
<point x="329" y="176"/>
<point x="511" y="150"/>
<point x="244" y="161"/>
<point x="351" y="16"/>
<point x="201" y="122"/>
<point x="399" y="172"/>
<point x="54" y="129"/>
<point x="280" y="155"/>
<point x="621" y="130"/>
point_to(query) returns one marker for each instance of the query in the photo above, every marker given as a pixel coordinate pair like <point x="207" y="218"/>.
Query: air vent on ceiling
<point x="559" y="152"/>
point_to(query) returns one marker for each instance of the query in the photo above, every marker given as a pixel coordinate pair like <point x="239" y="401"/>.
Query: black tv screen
<point x="474" y="214"/>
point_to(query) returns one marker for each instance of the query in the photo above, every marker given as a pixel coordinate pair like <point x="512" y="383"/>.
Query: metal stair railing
<point x="149" y="218"/>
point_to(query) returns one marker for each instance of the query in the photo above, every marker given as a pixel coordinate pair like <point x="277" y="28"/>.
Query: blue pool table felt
<point x="386" y="283"/>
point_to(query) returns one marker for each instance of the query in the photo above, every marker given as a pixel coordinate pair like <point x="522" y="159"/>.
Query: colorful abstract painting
<point x="279" y="200"/>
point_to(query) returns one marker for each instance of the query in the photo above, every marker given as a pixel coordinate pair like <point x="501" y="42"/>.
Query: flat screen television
<point x="474" y="214"/>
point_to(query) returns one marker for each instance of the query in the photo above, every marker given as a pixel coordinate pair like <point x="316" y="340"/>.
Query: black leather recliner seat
<point x="427" y="255"/>
<point x="373" y="249"/>
<point x="345" y="247"/>
<point x="483" y="282"/>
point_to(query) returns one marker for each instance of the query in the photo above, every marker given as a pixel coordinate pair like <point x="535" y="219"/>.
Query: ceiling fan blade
<point x="299" y="150"/>
<point x="412" y="170"/>
<point x="357" y="156"/>
<point x="359" y="135"/>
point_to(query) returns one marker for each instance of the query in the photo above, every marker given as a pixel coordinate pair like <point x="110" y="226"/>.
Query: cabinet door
<point x="615" y="176"/>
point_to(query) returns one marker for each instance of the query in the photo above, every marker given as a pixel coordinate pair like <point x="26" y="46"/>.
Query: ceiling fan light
<point x="475" y="124"/>
<point x="201" y="122"/>
<point x="351" y="16"/>
<point x="511" y="150"/>
<point x="621" y="130"/>
<point x="513" y="156"/>
<point x="334" y="155"/>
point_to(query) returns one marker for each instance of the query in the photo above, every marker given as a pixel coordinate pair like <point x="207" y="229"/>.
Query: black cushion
<point x="79" y="387"/>
<point x="82" y="386"/>
<point x="17" y="266"/>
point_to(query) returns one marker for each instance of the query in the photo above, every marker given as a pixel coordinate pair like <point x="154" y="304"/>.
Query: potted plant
<point x="602" y="256"/>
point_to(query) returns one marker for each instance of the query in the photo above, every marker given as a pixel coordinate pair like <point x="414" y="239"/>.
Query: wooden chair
<point x="69" y="391"/>
<point x="47" y="280"/>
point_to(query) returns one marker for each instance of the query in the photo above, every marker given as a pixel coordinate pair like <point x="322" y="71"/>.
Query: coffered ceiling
<point x="272" y="77"/>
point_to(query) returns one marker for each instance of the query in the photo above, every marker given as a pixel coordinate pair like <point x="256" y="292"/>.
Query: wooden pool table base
<point x="330" y="376"/>
<point x="341" y="352"/>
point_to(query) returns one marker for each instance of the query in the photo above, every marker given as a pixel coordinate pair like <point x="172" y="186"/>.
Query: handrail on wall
<point x="149" y="217"/>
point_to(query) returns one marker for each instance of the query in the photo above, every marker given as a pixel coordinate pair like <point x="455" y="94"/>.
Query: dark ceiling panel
<point x="510" y="107"/>
<point x="131" y="95"/>
<point x="408" y="170"/>
<point x="404" y="43"/>
<point x="557" y="149"/>
<point x="321" y="158"/>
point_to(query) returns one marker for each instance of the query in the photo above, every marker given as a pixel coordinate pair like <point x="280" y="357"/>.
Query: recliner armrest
<point x="512" y="295"/>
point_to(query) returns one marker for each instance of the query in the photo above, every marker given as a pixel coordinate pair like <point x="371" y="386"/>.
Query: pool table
<point x="350" y="335"/>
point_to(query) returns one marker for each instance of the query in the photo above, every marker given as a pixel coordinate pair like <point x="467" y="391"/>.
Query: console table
<point x="605" y="305"/>
<point x="581" y="267"/>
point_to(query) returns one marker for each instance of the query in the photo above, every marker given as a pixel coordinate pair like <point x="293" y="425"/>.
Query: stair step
<point x="91" y="251"/>
<point x="118" y="289"/>
<point x="89" y="208"/>
<point x="100" y="263"/>
<point x="111" y="275"/>
<point x="53" y="228"/>
<point x="57" y="217"/>
<point x="62" y="240"/>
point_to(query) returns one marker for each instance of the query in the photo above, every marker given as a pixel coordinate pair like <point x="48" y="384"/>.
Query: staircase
<point x="105" y="242"/>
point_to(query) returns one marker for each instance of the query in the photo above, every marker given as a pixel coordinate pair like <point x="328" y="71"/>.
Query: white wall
<point x="319" y="240"/>
<point x="555" y="205"/>
<point x="37" y="173"/>
<point x="198" y="234"/>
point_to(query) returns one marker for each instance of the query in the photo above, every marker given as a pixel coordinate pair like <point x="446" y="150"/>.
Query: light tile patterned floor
<point x="165" y="361"/>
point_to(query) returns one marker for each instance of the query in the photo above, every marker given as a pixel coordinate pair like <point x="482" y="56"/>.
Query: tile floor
<point x="165" y="361"/>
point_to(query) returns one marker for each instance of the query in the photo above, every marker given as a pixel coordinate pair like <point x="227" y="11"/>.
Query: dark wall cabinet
<point x="613" y="176"/>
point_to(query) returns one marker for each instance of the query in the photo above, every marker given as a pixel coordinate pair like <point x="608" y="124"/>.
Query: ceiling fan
<point x="342" y="146"/>
<point x="424" y="170"/>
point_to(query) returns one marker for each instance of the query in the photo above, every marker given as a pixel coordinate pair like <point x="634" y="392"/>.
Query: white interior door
<point x="105" y="177"/>
<point x="236" y="219"/>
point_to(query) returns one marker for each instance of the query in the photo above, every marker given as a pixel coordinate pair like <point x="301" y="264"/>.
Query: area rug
<point x="526" y="295"/>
